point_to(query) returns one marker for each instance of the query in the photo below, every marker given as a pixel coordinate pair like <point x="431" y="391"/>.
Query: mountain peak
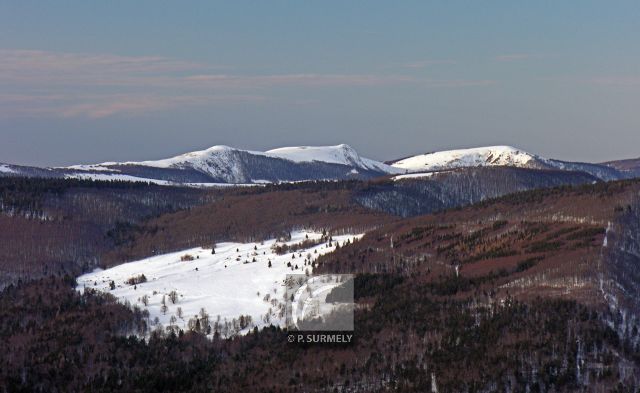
<point x="339" y="154"/>
<point x="477" y="156"/>
<point x="220" y="148"/>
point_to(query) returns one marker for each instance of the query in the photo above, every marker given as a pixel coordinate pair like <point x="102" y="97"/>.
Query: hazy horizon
<point x="89" y="82"/>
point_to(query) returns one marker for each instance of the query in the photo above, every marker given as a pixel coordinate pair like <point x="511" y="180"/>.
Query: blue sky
<point x="121" y="80"/>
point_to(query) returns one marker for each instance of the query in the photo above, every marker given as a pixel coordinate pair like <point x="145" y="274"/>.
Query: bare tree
<point x="164" y="307"/>
<point x="173" y="296"/>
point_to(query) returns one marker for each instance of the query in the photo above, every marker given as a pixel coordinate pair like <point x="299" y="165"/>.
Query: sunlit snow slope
<point x="340" y="154"/>
<point x="234" y="281"/>
<point x="480" y="156"/>
<point x="224" y="164"/>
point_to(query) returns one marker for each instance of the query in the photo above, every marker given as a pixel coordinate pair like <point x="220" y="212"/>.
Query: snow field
<point x="234" y="281"/>
<point x="481" y="156"/>
<point x="5" y="168"/>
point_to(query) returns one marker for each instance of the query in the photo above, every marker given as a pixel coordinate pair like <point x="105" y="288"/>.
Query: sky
<point x="86" y="81"/>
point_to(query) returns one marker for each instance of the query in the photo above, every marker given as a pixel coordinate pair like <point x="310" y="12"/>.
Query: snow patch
<point x="119" y="177"/>
<point x="114" y="177"/>
<point x="605" y="241"/>
<point x="5" y="169"/>
<point x="236" y="280"/>
<point x="414" y="176"/>
<point x="90" y="167"/>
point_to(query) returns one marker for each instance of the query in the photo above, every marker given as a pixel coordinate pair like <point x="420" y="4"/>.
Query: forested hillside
<point x="532" y="291"/>
<point x="415" y="196"/>
<point x="55" y="226"/>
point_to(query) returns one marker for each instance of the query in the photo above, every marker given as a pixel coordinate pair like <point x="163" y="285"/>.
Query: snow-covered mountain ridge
<point x="228" y="165"/>
<point x="480" y="156"/>
<point x="224" y="164"/>
<point x="340" y="154"/>
<point x="496" y="156"/>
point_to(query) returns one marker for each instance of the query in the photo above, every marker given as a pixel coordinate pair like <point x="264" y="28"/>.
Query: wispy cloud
<point x="516" y="56"/>
<point x="26" y="61"/>
<point x="607" y="81"/>
<point x="105" y="105"/>
<point x="621" y="81"/>
<point x="244" y="81"/>
<point x="36" y="83"/>
<point x="132" y="105"/>
<point x="426" y="63"/>
<point x="457" y="83"/>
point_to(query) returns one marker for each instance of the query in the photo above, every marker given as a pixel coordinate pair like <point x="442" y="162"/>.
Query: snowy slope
<point x="419" y="175"/>
<point x="225" y="164"/>
<point x="90" y="167"/>
<point x="228" y="165"/>
<point x="219" y="156"/>
<point x="212" y="161"/>
<point x="340" y="154"/>
<point x="498" y="156"/>
<point x="227" y="283"/>
<point x="6" y="169"/>
<point x="481" y="156"/>
<point x="114" y="177"/>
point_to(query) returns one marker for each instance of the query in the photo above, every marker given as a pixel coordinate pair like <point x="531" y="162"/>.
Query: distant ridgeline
<point x="227" y="165"/>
